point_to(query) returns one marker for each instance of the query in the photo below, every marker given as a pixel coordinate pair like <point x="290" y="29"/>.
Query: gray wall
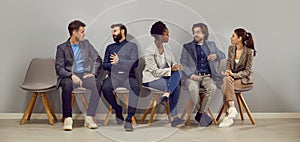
<point x="34" y="28"/>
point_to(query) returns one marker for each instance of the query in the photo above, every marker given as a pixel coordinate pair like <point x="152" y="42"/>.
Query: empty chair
<point x="40" y="78"/>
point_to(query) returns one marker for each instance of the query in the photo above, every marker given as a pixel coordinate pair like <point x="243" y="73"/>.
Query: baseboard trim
<point x="157" y="116"/>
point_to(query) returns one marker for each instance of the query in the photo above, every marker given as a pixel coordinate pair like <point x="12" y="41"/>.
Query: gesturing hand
<point x="114" y="58"/>
<point x="177" y="67"/>
<point x="76" y="80"/>
<point x="212" y="57"/>
<point x="88" y="75"/>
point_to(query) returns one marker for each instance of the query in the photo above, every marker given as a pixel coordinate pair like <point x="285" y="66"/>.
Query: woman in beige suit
<point x="161" y="70"/>
<point x="238" y="74"/>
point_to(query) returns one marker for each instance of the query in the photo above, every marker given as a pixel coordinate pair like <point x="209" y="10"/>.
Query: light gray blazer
<point x="243" y="69"/>
<point x="152" y="71"/>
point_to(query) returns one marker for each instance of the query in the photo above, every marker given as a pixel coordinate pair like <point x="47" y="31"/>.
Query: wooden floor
<point x="266" y="130"/>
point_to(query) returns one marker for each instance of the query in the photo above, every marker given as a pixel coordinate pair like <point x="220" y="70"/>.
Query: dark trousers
<point x="115" y="81"/>
<point x="88" y="83"/>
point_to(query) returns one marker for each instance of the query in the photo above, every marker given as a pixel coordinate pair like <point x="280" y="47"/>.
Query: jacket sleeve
<point x="220" y="54"/>
<point x="97" y="61"/>
<point x="185" y="61"/>
<point x="229" y="59"/>
<point x="249" y="63"/>
<point x="106" y="63"/>
<point x="60" y="64"/>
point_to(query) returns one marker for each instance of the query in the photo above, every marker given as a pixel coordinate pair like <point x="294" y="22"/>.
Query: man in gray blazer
<point x="200" y="58"/>
<point x="77" y="64"/>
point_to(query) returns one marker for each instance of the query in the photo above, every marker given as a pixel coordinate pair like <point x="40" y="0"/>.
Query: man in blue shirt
<point x="121" y="59"/>
<point x="77" y="64"/>
<point x="199" y="58"/>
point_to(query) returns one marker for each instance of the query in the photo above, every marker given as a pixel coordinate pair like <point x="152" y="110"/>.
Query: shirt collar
<point x="122" y="43"/>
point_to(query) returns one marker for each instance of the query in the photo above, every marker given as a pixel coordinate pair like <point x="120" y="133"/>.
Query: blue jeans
<point x="171" y="84"/>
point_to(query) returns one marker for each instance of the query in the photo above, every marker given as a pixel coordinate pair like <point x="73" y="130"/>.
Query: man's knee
<point x="66" y="83"/>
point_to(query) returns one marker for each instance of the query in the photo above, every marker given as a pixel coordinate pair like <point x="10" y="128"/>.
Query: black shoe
<point x="119" y="116"/>
<point x="128" y="125"/>
<point x="163" y="100"/>
<point x="205" y="120"/>
<point x="176" y="121"/>
<point x="198" y="116"/>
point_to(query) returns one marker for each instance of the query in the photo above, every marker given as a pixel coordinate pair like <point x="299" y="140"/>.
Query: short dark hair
<point x="157" y="29"/>
<point x="203" y="28"/>
<point x="75" y="25"/>
<point x="121" y="26"/>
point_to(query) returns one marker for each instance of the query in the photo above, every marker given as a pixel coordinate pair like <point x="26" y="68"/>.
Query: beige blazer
<point x="243" y="69"/>
<point x="152" y="59"/>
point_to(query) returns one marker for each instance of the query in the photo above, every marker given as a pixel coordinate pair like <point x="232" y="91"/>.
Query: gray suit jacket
<point x="189" y="60"/>
<point x="65" y="62"/>
<point x="243" y="69"/>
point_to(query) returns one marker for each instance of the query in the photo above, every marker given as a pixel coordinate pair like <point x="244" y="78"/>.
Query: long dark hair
<point x="246" y="38"/>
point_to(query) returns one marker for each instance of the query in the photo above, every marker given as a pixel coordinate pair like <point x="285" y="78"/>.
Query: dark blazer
<point x="189" y="59"/>
<point x="243" y="69"/>
<point x="65" y="62"/>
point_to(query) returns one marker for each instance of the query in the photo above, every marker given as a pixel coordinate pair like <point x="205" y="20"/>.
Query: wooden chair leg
<point x="73" y="100"/>
<point x="51" y="109"/>
<point x="134" y="123"/>
<point x="84" y="101"/>
<point x="32" y="105"/>
<point x="34" y="95"/>
<point x="147" y="109"/>
<point x="212" y="116"/>
<point x="221" y="112"/>
<point x="240" y="106"/>
<point x="186" y="109"/>
<point x="153" y="110"/>
<point x="44" y="99"/>
<point x="168" y="111"/>
<point x="190" y="111"/>
<point x="108" y="116"/>
<point x="127" y="102"/>
<point x="247" y="109"/>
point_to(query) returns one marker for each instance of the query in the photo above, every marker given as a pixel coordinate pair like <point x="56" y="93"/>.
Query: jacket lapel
<point x="83" y="51"/>
<point x="241" y="62"/>
<point x="194" y="51"/>
<point x="69" y="48"/>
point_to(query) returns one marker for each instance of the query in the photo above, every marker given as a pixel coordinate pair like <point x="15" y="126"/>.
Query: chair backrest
<point x="40" y="74"/>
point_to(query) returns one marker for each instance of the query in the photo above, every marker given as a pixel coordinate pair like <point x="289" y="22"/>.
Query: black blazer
<point x="65" y="63"/>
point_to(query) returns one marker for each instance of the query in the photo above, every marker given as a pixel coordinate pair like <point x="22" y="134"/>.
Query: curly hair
<point x="157" y="29"/>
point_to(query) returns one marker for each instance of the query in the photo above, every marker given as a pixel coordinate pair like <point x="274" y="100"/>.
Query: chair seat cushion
<point x="37" y="86"/>
<point x="79" y="90"/>
<point x="121" y="90"/>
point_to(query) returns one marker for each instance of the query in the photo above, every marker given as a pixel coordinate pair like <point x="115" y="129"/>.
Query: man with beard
<point x="77" y="64"/>
<point x="120" y="61"/>
<point x="199" y="58"/>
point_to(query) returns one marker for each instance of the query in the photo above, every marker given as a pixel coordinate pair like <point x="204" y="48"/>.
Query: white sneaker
<point x="232" y="112"/>
<point x="89" y="122"/>
<point x="68" y="124"/>
<point x="227" y="122"/>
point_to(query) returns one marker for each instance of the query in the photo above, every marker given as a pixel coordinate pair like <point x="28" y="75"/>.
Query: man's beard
<point x="117" y="38"/>
<point x="198" y="39"/>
